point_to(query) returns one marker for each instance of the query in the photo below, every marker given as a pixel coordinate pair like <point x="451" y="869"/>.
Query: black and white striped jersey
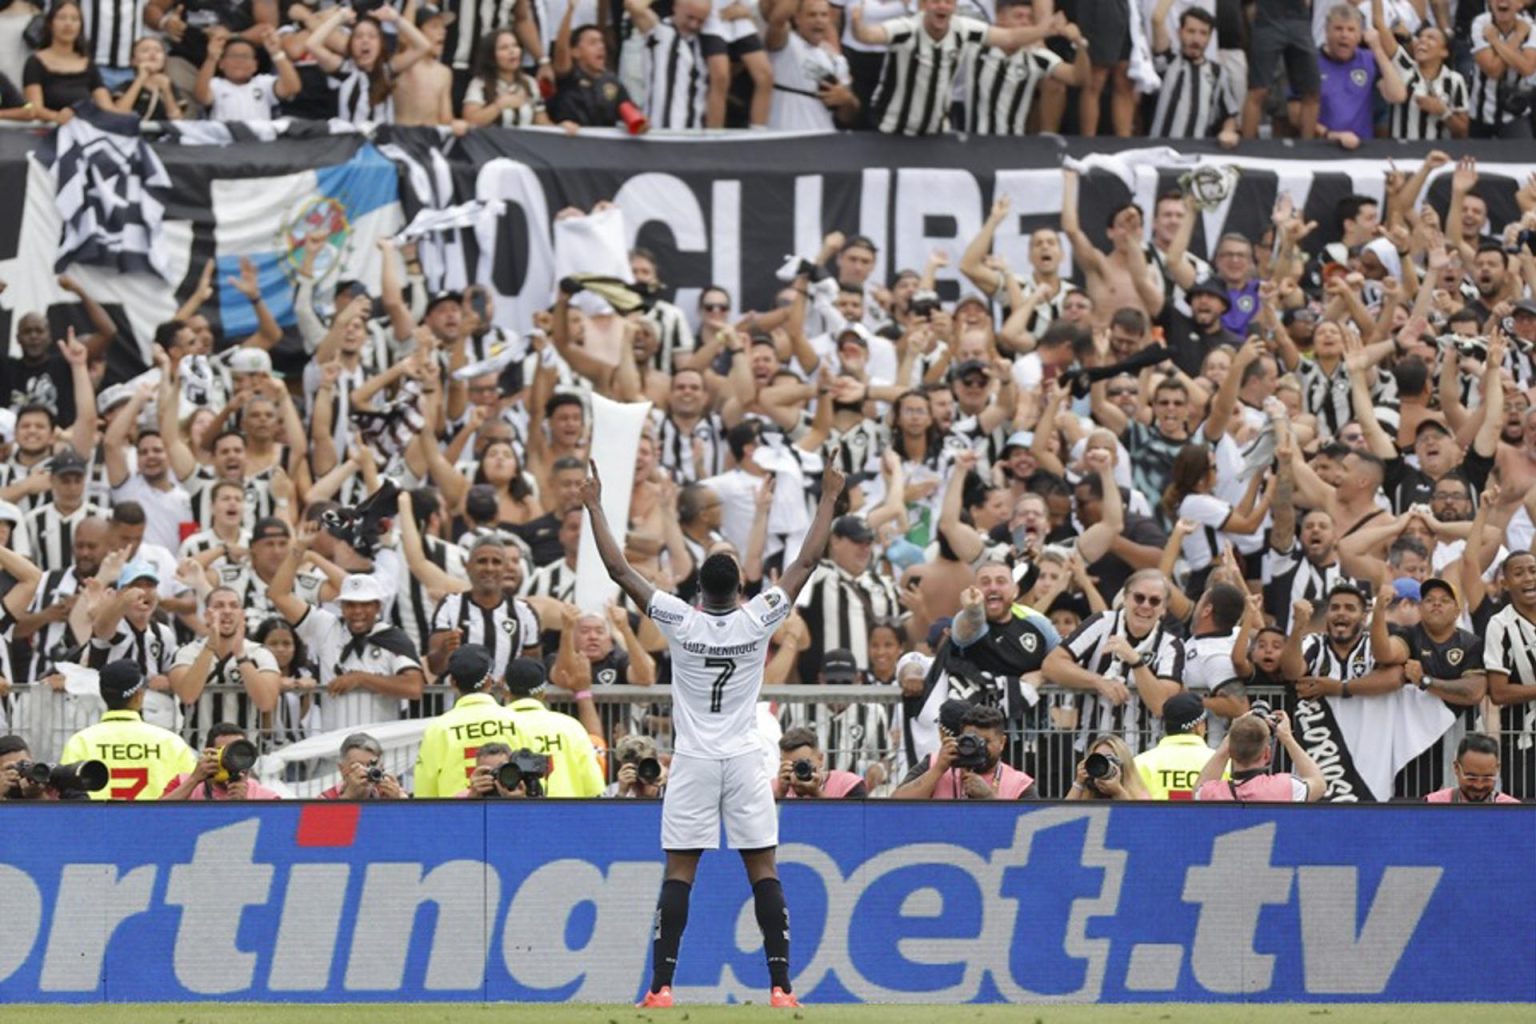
<point x="505" y="629"/>
<point x="1490" y="97"/>
<point x="1408" y="120"/>
<point x="50" y="534"/>
<point x="1510" y="648"/>
<point x="1289" y="576"/>
<point x="220" y="702"/>
<point x="556" y="580"/>
<point x="112" y="26"/>
<point x="839" y="614"/>
<point x="1192" y="103"/>
<point x="1324" y="660"/>
<point x="414" y="609"/>
<point x="918" y="78"/>
<point x="673" y="332"/>
<point x="1003" y="87"/>
<point x="677" y="75"/>
<point x="675" y="446"/>
<point x="1132" y="721"/>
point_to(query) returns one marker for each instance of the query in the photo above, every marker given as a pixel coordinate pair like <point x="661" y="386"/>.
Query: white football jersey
<point x="717" y="670"/>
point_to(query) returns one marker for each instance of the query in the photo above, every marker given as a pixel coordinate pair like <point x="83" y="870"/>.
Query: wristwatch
<point x="1344" y="688"/>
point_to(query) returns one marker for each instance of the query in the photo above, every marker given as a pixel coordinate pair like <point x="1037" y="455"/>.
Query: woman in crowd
<point x="61" y="73"/>
<point x="364" y="71"/>
<point x="150" y="95"/>
<point x="501" y="94"/>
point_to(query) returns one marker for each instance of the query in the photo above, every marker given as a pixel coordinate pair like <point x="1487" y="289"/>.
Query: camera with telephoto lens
<point x="362" y="525"/>
<point x="525" y="769"/>
<point x="970" y="751"/>
<point x="1101" y="766"/>
<point x="70" y="781"/>
<point x="804" y="770"/>
<point x="648" y="770"/>
<point x="236" y="758"/>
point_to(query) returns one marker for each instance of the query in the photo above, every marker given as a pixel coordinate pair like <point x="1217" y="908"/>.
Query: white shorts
<point x="701" y="791"/>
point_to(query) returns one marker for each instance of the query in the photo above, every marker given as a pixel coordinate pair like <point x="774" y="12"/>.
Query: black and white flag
<point x="109" y="187"/>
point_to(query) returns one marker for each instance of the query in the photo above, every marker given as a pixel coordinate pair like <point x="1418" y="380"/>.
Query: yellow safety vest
<point x="564" y="740"/>
<point x="446" y="758"/>
<point x="1172" y="768"/>
<point x="141" y="759"/>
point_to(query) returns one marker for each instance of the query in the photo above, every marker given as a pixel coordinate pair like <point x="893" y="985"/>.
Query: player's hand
<point x="592" y="489"/>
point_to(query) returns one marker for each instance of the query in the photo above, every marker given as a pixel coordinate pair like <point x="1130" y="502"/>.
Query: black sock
<point x="773" y="919"/>
<point x="671" y="919"/>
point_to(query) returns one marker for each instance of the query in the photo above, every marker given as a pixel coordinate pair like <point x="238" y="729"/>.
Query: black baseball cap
<point x="442" y="297"/>
<point x="470" y="667"/>
<point x="1438" y="583"/>
<point x="967" y="367"/>
<point x="525" y="676"/>
<point x="853" y="528"/>
<point x="66" y="462"/>
<point x="838" y="666"/>
<point x="1182" y="712"/>
<point x="1207" y="288"/>
<point x="120" y="678"/>
<point x="1431" y="423"/>
<point x="270" y="528"/>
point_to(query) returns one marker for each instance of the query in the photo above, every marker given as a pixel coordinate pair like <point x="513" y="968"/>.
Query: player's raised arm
<point x="798" y="571"/>
<point x="619" y="569"/>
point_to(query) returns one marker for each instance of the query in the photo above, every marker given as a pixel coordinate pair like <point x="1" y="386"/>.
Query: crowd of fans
<point x="1082" y="519"/>
<point x="1342" y="70"/>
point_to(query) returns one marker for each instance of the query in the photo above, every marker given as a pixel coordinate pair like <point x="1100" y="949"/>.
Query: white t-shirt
<point x="717" y="670"/>
<point x="253" y="101"/>
<point x="164" y="511"/>
<point x="799" y="69"/>
<point x="1202" y="547"/>
<point x="328" y="638"/>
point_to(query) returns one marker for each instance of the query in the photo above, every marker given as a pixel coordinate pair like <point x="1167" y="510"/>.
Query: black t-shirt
<point x="1460" y="655"/>
<point x="61" y="90"/>
<point x="1188" y="344"/>
<point x="1110" y="572"/>
<point x="202" y="15"/>
<point x="542" y="535"/>
<point x="46" y="383"/>
<point x="1406" y="485"/>
<point x="591" y="101"/>
<point x="10" y="96"/>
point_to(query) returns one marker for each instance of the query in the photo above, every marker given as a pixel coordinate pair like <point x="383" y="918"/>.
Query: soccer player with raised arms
<point x="718" y="771"/>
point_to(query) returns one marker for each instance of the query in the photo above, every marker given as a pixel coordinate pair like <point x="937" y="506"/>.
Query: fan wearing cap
<point x="367" y="667"/>
<point x="1172" y="769"/>
<point x="1191" y="338"/>
<point x="125" y="627"/>
<point x="982" y="413"/>
<point x="141" y="759"/>
<point x="839" y="602"/>
<point x="50" y="526"/>
<point x="1441" y="659"/>
<point x="446" y="758"/>
<point x="245" y="673"/>
<point x="215" y="777"/>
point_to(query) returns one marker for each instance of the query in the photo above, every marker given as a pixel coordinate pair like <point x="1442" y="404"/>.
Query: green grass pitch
<point x="480" y="1013"/>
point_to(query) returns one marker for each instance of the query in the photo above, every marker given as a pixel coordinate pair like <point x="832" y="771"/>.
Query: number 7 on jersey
<point x="725" y="666"/>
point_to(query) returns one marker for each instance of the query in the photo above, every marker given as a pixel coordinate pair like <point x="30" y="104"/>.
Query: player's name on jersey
<point x="732" y="651"/>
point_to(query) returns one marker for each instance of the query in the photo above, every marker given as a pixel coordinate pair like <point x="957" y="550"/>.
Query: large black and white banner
<point x="716" y="212"/>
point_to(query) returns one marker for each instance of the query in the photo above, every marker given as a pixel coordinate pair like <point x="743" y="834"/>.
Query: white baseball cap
<point x="361" y="588"/>
<point x="250" y="360"/>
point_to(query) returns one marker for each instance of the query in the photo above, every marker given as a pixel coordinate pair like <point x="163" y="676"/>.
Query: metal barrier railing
<point x="857" y="728"/>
